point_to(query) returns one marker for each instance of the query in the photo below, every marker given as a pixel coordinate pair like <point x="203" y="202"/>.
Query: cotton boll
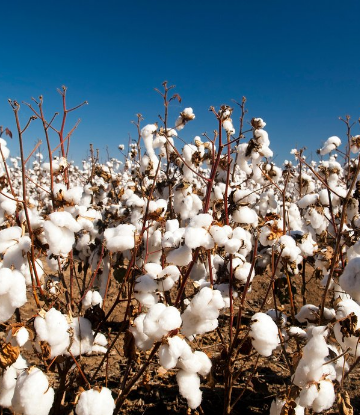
<point x="195" y="237"/>
<point x="180" y="256"/>
<point x="8" y="381"/>
<point x="264" y="334"/>
<point x="166" y="358"/>
<point x="167" y="277"/>
<point x="325" y="397"/>
<point x="9" y="237"/>
<point x="205" y="363"/>
<point x="82" y="336"/>
<point x="189" y="387"/>
<point x="232" y="245"/>
<point x="97" y="401"/>
<point x="60" y="239"/>
<point x="121" y="238"/>
<point x="53" y="328"/>
<point x="142" y="341"/>
<point x="12" y="292"/>
<point x="307" y="313"/>
<point x="307" y="200"/>
<point x="220" y="234"/>
<point x="344" y="309"/>
<point x="330" y="144"/>
<point x="308" y="395"/>
<point x="245" y="215"/>
<point x="32" y="395"/>
<point x="170" y="319"/>
<point x="350" y="278"/>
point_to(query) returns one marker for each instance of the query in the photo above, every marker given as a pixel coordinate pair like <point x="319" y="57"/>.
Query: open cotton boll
<point x="74" y="195"/>
<point x="121" y="238"/>
<point x="60" y="239"/>
<point x="8" y="381"/>
<point x="180" y="256"/>
<point x="97" y="401"/>
<point x="264" y="334"/>
<point x="64" y="220"/>
<point x="202" y="313"/>
<point x="330" y="144"/>
<point x="241" y="268"/>
<point x="167" y="277"/>
<point x="189" y="387"/>
<point x="12" y="292"/>
<point x="245" y="215"/>
<point x="100" y="344"/>
<point x="53" y="328"/>
<point x="195" y="237"/>
<point x="18" y="337"/>
<point x="160" y="320"/>
<point x="9" y="237"/>
<point x="220" y="234"/>
<point x="307" y="200"/>
<point x="32" y="395"/>
<point x="82" y="336"/>
<point x="350" y="278"/>
<point x="91" y="299"/>
<point x="142" y="341"/>
<point x="344" y="309"/>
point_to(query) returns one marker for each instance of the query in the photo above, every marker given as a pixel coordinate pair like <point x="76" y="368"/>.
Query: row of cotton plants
<point x="180" y="232"/>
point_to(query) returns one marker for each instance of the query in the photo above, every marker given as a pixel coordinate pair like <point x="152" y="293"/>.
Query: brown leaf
<point x="8" y="355"/>
<point x="348" y="326"/>
<point x="8" y="132"/>
<point x="45" y="350"/>
<point x="344" y="405"/>
<point x="176" y="96"/>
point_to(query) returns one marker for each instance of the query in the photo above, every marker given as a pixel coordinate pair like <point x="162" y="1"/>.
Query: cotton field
<point x="168" y="240"/>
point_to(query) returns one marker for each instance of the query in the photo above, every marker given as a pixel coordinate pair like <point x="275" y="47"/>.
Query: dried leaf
<point x="8" y="355"/>
<point x="343" y="402"/>
<point x="348" y="326"/>
<point x="8" y="132"/>
<point x="45" y="350"/>
<point x="176" y="96"/>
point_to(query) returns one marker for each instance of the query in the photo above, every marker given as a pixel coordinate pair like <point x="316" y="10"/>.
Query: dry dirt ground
<point x="157" y="393"/>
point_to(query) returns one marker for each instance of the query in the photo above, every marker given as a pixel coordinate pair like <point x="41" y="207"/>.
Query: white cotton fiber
<point x="120" y="238"/>
<point x="350" y="278"/>
<point x="308" y="200"/>
<point x="60" y="239"/>
<point x="220" y="234"/>
<point x="245" y="215"/>
<point x="189" y="387"/>
<point x="142" y="341"/>
<point x="53" y="328"/>
<point x="180" y="256"/>
<point x="82" y="336"/>
<point x="32" y="395"/>
<point x="264" y="334"/>
<point x="160" y="320"/>
<point x="12" y="292"/>
<point x="8" y="381"/>
<point x="96" y="401"/>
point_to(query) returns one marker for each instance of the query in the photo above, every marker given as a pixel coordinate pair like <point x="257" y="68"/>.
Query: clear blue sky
<point x="297" y="63"/>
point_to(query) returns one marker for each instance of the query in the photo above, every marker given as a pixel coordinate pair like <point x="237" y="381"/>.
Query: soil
<point x="156" y="392"/>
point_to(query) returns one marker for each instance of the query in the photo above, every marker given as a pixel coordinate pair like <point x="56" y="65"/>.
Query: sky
<point x="297" y="63"/>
